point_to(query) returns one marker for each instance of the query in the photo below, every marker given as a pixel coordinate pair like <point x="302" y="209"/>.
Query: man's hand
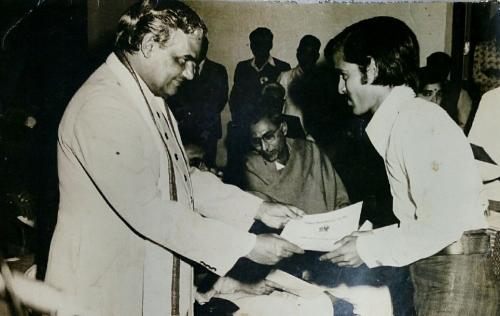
<point x="345" y="253"/>
<point x="270" y="248"/>
<point x="276" y="215"/>
<point x="227" y="285"/>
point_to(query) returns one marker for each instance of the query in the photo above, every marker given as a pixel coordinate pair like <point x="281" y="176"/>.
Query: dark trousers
<point x="450" y="285"/>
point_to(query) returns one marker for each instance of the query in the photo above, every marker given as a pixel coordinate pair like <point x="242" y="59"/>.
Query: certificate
<point x="320" y="231"/>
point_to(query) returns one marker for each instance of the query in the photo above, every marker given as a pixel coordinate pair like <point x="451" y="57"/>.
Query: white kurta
<point x="117" y="227"/>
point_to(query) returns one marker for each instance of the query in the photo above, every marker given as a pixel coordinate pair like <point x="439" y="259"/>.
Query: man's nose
<point x="435" y="98"/>
<point x="341" y="87"/>
<point x="265" y="146"/>
<point x="189" y="70"/>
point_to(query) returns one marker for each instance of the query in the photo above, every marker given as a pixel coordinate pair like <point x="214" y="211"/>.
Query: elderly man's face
<point x="175" y="62"/>
<point x="268" y="139"/>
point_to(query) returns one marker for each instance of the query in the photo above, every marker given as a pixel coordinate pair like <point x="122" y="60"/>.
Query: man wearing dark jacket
<point x="199" y="102"/>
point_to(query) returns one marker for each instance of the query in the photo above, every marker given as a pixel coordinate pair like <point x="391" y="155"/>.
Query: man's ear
<point x="284" y="128"/>
<point x="371" y="71"/>
<point x="147" y="45"/>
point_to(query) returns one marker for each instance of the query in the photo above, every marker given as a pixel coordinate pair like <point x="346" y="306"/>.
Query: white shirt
<point x="485" y="132"/>
<point x="285" y="79"/>
<point x="270" y="61"/>
<point x="433" y="178"/>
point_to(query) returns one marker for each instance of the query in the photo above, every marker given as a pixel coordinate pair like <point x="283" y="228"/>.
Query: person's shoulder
<point x="282" y="65"/>
<point x="284" y="76"/>
<point x="215" y="65"/>
<point x="102" y="92"/>
<point x="493" y="94"/>
<point x="244" y="63"/>
<point x="254" y="162"/>
<point x="419" y="117"/>
<point x="304" y="147"/>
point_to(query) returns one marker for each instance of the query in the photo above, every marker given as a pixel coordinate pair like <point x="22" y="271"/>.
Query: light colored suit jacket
<point x="117" y="228"/>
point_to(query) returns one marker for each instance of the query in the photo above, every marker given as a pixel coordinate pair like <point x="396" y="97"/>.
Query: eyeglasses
<point x="269" y="137"/>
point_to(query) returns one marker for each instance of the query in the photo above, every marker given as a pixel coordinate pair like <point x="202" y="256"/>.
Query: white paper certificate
<point x="320" y="231"/>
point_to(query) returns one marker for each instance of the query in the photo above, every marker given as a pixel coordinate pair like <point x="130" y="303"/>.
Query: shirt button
<point x="166" y="136"/>
<point x="185" y="178"/>
<point x="176" y="157"/>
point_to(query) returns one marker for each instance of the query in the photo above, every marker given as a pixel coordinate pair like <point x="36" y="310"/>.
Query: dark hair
<point x="336" y="45"/>
<point x="309" y="41"/>
<point x="261" y="34"/>
<point x="269" y="105"/>
<point x="392" y="45"/>
<point x="440" y="64"/>
<point x="427" y="76"/>
<point x="157" y="17"/>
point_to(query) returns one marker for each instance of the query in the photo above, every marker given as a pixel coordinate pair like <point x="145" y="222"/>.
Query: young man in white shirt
<point x="434" y="181"/>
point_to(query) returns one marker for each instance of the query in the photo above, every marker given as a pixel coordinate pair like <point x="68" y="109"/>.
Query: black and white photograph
<point x="249" y="158"/>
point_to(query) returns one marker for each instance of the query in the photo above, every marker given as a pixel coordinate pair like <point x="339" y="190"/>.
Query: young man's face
<point x="268" y="139"/>
<point x="174" y="63"/>
<point x="360" y="97"/>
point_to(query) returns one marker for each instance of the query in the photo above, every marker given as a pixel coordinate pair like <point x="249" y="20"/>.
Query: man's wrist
<point x="260" y="211"/>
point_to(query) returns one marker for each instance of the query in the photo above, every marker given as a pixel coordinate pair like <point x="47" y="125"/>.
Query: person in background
<point x="251" y="74"/>
<point x="249" y="78"/>
<point x="198" y="103"/>
<point x="291" y="171"/>
<point x="436" y="196"/>
<point x="435" y="86"/>
<point x="307" y="56"/>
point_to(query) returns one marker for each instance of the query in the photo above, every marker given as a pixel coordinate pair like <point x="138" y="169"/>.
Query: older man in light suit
<point x="131" y="213"/>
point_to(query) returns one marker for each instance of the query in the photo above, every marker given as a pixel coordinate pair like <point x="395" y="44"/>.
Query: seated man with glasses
<point x="291" y="171"/>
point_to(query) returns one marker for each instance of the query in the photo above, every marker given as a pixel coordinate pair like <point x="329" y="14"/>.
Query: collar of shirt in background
<point x="279" y="165"/>
<point x="270" y="61"/>
<point x="200" y="66"/>
<point x="380" y="126"/>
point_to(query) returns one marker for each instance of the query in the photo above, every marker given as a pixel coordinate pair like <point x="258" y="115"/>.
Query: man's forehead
<point x="186" y="44"/>
<point x="263" y="126"/>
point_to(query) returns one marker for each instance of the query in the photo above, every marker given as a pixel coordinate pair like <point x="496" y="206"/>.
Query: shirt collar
<point x="270" y="61"/>
<point x="200" y="66"/>
<point x="126" y="78"/>
<point x="380" y="126"/>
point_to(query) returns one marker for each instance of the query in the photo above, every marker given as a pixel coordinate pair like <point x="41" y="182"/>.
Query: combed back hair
<point x="157" y="17"/>
<point x="392" y="45"/>
<point x="269" y="105"/>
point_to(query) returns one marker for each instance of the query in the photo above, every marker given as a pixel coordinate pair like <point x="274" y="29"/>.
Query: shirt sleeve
<point x="443" y="189"/>
<point x="223" y="202"/>
<point x="120" y="162"/>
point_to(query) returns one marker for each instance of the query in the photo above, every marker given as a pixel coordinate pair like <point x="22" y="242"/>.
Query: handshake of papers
<point x="319" y="232"/>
